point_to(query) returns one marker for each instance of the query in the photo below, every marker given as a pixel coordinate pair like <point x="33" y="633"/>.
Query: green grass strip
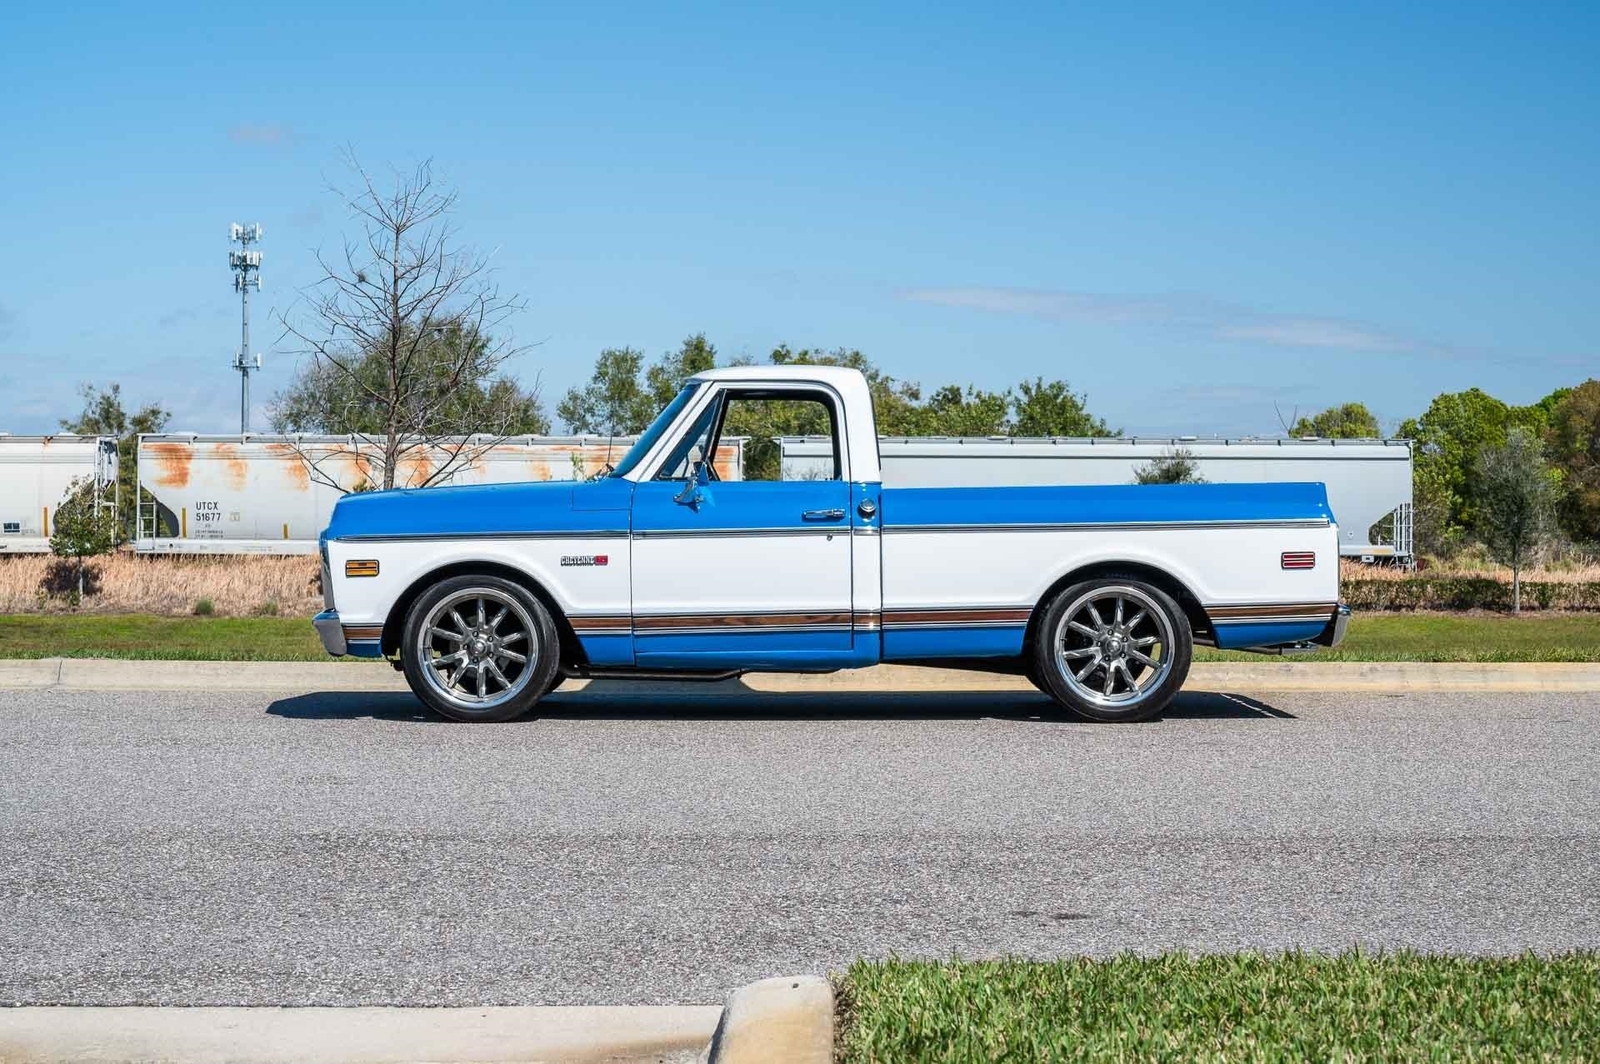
<point x="1240" y="1007"/>
<point x="87" y="635"/>
<point x="1455" y="637"/>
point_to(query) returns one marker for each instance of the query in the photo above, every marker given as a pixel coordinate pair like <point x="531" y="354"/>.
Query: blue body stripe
<point x="1154" y="504"/>
<point x="608" y="650"/>
<point x="1239" y="636"/>
<point x="909" y="644"/>
<point x="757" y="650"/>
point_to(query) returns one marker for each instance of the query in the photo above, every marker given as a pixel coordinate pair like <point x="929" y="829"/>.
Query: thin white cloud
<point x="1316" y="332"/>
<point x="1219" y="321"/>
<point x="266" y="133"/>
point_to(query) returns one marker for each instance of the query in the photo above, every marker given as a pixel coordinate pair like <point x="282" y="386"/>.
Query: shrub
<point x="204" y="608"/>
<point x="1467" y="592"/>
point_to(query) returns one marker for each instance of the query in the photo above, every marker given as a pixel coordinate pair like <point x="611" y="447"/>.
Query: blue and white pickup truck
<point x="489" y="596"/>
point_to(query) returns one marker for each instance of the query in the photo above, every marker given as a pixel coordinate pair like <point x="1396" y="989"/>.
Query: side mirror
<point x="691" y="495"/>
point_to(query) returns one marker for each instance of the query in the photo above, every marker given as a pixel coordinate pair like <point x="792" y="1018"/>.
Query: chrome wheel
<point x="1114" y="646"/>
<point x="478" y="648"/>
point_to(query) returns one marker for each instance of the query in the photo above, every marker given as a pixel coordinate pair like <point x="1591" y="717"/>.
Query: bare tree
<point x="407" y="333"/>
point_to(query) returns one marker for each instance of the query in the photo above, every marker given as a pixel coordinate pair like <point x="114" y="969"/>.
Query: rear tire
<point x="1113" y="648"/>
<point x="479" y="648"/>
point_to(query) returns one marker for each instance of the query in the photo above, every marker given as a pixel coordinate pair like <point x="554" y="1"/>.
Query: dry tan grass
<point x="1353" y="570"/>
<point x="125" y="583"/>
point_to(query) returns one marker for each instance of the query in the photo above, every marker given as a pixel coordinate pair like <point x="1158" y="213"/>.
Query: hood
<point x="467" y="510"/>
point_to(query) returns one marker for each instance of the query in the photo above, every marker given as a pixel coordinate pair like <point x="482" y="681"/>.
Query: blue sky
<point x="1192" y="212"/>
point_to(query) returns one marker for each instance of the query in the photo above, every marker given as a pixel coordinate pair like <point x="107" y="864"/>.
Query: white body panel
<point x="1220" y="566"/>
<point x="35" y="473"/>
<point x="1366" y="480"/>
<point x="578" y="591"/>
<point x="736" y="574"/>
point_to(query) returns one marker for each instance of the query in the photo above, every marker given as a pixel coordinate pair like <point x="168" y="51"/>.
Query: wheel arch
<point x="1181" y="593"/>
<point x="394" y="623"/>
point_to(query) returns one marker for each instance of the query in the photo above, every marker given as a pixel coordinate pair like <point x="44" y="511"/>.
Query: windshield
<point x="650" y="435"/>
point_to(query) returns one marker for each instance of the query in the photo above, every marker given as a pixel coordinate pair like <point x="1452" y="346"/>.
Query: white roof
<point x="839" y="377"/>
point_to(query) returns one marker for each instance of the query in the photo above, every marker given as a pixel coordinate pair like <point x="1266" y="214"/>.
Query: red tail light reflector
<point x="1299" y="559"/>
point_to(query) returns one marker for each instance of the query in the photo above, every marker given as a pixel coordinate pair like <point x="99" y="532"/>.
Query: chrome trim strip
<point x="1237" y="610"/>
<point x="740" y="629"/>
<point x="1111" y="526"/>
<point x="1293" y="618"/>
<point x="903" y="617"/>
<point x="739" y="533"/>
<point x="401" y="537"/>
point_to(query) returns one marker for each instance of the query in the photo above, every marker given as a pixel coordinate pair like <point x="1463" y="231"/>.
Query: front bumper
<point x="332" y="632"/>
<point x="1333" y="635"/>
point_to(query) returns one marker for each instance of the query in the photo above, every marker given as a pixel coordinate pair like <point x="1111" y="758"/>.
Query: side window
<point x="762" y="417"/>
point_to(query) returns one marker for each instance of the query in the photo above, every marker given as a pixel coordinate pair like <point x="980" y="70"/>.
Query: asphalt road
<point x="195" y="848"/>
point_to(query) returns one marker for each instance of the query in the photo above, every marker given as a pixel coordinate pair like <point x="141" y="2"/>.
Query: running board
<point x="581" y="672"/>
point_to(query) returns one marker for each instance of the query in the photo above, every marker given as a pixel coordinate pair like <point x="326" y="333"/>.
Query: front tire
<point x="1113" y="648"/>
<point x="479" y="648"/>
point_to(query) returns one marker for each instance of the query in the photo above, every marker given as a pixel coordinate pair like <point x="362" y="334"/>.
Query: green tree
<point x="83" y="526"/>
<point x="666" y="377"/>
<point x="104" y="415"/>
<point x="1574" y="440"/>
<point x="351" y="398"/>
<point x="954" y="411"/>
<point x="1352" y="421"/>
<point x="615" y="402"/>
<point x="1052" y="408"/>
<point x="1449" y="436"/>
<point x="1518" y="493"/>
<point x="1177" y="466"/>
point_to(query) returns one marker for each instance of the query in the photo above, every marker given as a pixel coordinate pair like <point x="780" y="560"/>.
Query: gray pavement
<point x="237" y="848"/>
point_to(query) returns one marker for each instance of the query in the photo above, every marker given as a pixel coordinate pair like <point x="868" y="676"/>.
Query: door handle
<point x="822" y="515"/>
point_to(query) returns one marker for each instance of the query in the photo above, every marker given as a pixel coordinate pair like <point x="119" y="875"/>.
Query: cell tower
<point x="246" y="266"/>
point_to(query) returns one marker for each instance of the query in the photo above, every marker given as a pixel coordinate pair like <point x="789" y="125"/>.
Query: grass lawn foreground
<point x="1372" y="637"/>
<point x="1284" y="1007"/>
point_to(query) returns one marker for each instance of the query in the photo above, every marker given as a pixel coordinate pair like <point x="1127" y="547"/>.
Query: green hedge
<point x="1467" y="593"/>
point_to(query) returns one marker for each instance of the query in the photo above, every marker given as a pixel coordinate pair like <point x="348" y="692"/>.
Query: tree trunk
<point x="1516" y="589"/>
<point x="80" y="578"/>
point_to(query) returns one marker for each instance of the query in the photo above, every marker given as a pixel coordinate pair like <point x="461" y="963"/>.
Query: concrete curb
<point x="575" y="1034"/>
<point x="101" y="674"/>
<point x="788" y="1020"/>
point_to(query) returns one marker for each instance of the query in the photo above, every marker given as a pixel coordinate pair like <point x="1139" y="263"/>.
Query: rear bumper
<point x="332" y="632"/>
<point x="1333" y="635"/>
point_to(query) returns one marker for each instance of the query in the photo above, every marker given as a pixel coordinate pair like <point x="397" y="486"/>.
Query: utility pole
<point x="246" y="266"/>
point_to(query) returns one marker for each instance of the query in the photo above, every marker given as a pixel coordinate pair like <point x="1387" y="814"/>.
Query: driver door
<point x="744" y="572"/>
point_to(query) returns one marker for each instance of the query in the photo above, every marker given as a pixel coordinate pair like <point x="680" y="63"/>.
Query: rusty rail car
<point x="35" y="473"/>
<point x="269" y="494"/>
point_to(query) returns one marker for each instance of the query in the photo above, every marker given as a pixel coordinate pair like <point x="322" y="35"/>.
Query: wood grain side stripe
<point x="667" y="622"/>
<point x="956" y="617"/>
